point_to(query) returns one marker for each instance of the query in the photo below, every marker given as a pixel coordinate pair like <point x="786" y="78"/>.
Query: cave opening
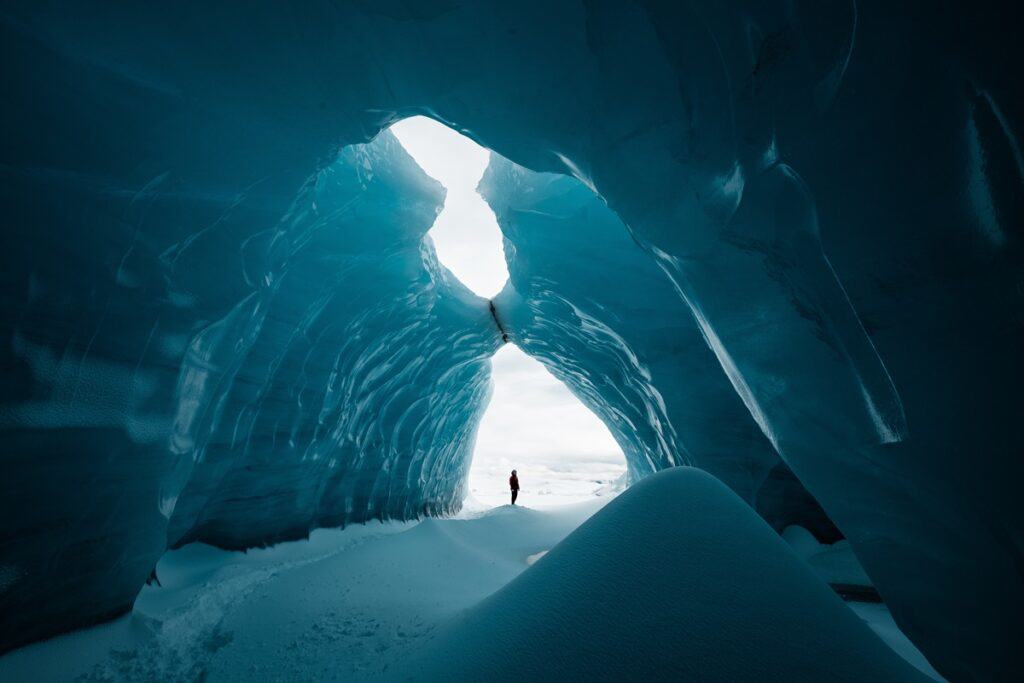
<point x="466" y="235"/>
<point x="563" y="452"/>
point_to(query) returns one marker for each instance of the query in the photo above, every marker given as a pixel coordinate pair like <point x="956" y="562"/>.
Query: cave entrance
<point x="563" y="452"/>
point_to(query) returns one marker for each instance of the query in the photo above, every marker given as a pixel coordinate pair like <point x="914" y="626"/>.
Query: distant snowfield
<point x="346" y="604"/>
<point x="533" y="424"/>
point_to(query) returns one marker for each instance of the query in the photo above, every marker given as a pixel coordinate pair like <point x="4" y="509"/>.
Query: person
<point x="513" y="483"/>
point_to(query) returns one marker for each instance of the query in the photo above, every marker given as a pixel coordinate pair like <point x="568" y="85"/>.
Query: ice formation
<point x="631" y="351"/>
<point x="349" y="385"/>
<point x="222" y="322"/>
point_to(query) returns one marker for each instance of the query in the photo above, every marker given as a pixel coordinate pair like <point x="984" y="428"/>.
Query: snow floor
<point x="334" y="607"/>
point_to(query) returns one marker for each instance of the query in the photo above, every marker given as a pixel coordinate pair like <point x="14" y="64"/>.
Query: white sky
<point x="466" y="236"/>
<point x="561" y="450"/>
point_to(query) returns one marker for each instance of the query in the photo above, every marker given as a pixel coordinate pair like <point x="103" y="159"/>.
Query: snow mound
<point x="676" y="577"/>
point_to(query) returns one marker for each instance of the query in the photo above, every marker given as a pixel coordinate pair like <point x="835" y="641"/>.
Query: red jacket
<point x="513" y="482"/>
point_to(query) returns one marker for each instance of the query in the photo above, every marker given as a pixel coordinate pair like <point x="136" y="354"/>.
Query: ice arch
<point x="159" y="192"/>
<point x="532" y="422"/>
<point x="661" y="394"/>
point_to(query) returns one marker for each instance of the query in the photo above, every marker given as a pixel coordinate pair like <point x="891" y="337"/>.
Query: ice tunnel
<point x="776" y="241"/>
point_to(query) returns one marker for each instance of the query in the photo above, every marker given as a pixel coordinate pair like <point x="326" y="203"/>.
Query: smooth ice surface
<point x="832" y="190"/>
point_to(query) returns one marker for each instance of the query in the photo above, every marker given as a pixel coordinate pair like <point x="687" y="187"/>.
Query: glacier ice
<point x="655" y="383"/>
<point x="350" y="385"/>
<point x="346" y="386"/>
<point x="192" y="351"/>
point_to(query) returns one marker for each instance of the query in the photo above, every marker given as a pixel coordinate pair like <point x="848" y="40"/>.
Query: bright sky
<point x="466" y="236"/>
<point x="562" y="451"/>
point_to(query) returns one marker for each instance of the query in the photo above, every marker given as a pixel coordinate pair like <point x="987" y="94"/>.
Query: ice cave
<point x="771" y="249"/>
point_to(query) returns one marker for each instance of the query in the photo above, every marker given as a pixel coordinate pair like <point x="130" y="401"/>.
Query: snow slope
<point x="675" y="579"/>
<point x="364" y="602"/>
<point x="329" y="608"/>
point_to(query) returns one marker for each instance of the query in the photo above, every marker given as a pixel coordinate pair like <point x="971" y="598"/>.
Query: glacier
<point x="777" y="241"/>
<point x="654" y="383"/>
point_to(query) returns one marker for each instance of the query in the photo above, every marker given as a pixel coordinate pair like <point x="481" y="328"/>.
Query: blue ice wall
<point x="350" y="385"/>
<point x="587" y="301"/>
<point x="346" y="383"/>
<point x="833" y="190"/>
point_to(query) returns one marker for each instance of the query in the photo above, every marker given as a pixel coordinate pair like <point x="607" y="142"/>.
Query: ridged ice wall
<point x="588" y="302"/>
<point x="832" y="189"/>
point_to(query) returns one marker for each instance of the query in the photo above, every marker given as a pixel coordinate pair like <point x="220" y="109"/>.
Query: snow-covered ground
<point x="355" y="603"/>
<point x="323" y="609"/>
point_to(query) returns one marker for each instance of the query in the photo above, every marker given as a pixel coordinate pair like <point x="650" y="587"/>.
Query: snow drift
<point x="674" y="579"/>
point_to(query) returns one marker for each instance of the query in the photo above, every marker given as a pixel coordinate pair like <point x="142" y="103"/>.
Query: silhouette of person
<point x="513" y="483"/>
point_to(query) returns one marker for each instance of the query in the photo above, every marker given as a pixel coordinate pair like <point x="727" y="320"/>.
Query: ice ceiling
<point x="222" y="322"/>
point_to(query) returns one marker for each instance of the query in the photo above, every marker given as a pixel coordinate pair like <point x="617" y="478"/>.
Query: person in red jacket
<point x="513" y="483"/>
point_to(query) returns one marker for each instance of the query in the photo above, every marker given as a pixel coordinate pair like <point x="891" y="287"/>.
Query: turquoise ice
<point x="777" y="241"/>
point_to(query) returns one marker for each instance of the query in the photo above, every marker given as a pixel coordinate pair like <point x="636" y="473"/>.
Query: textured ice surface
<point x="350" y="386"/>
<point x="346" y="386"/>
<point x="159" y="159"/>
<point x="630" y="351"/>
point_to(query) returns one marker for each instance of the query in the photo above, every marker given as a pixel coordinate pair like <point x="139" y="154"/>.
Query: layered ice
<point x="349" y="387"/>
<point x="629" y="350"/>
<point x="832" y="192"/>
<point x="346" y="386"/>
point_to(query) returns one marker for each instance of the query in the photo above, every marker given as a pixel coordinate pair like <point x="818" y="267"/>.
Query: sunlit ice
<point x="563" y="453"/>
